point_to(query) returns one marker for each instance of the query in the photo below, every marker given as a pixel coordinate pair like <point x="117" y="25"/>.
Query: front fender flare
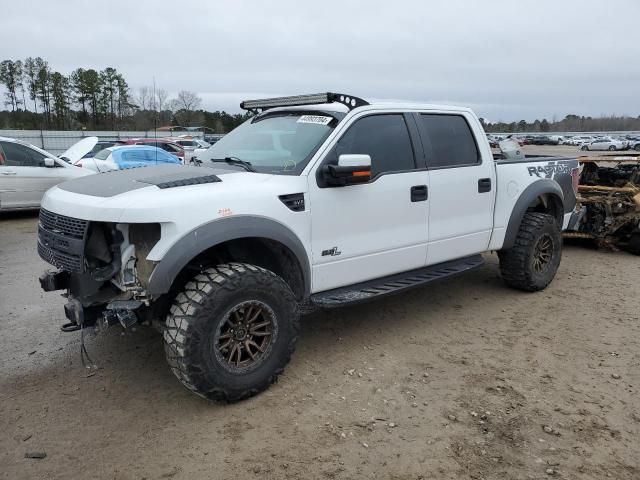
<point x="222" y="230"/>
<point x="527" y="197"/>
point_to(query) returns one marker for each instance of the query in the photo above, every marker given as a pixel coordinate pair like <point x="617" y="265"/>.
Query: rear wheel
<point x="231" y="331"/>
<point x="534" y="259"/>
<point x="584" y="148"/>
<point x="637" y="147"/>
<point x="612" y="148"/>
<point x="633" y="246"/>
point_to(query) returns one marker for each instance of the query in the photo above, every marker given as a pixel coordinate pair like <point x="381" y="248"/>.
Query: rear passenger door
<point x="462" y="190"/>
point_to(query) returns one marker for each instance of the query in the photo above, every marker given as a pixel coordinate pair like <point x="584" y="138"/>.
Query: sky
<point x="506" y="59"/>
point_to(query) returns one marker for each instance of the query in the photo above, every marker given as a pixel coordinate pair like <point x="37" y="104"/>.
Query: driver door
<point x="374" y="229"/>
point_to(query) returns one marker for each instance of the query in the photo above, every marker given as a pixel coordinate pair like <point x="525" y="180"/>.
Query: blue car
<point x="128" y="156"/>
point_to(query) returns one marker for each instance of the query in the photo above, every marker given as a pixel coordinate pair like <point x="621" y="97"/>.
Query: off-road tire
<point x="633" y="246"/>
<point x="199" y="312"/>
<point x="517" y="262"/>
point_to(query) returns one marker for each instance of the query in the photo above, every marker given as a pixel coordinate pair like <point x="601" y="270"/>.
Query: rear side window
<point x="384" y="138"/>
<point x="451" y="140"/>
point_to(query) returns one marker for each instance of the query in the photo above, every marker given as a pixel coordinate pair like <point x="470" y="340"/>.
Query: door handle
<point x="8" y="173"/>
<point x="419" y="193"/>
<point x="484" y="185"/>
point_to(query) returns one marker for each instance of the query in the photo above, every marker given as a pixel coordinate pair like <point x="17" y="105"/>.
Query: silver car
<point x="604" y="144"/>
<point x="26" y="172"/>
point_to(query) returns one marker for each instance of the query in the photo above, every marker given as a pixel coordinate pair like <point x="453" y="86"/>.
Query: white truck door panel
<point x="461" y="219"/>
<point x="370" y="230"/>
<point x="360" y="232"/>
<point x="463" y="185"/>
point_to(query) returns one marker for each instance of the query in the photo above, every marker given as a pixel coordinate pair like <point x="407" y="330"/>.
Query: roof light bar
<point x="316" y="98"/>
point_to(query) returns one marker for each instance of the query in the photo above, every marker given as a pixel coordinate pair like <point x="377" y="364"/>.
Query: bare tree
<point x="184" y="107"/>
<point x="144" y="98"/>
<point x="161" y="96"/>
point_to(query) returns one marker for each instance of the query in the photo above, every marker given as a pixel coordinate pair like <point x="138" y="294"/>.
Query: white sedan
<point x="604" y="144"/>
<point x="26" y="172"/>
<point x="192" y="147"/>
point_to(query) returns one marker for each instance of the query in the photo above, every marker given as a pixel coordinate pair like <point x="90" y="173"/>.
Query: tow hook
<point x="122" y="312"/>
<point x="74" y="312"/>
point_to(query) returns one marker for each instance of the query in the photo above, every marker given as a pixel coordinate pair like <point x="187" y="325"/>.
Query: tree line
<point x="38" y="97"/>
<point x="570" y="123"/>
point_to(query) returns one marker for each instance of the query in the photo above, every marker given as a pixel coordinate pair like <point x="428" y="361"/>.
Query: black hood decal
<point x="114" y="183"/>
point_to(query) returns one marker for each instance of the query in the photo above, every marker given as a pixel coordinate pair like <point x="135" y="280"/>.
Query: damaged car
<point x="608" y="203"/>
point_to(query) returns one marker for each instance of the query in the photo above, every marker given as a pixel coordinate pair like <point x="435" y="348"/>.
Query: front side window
<point x="385" y="138"/>
<point x="278" y="142"/>
<point x="16" y="155"/>
<point x="451" y="140"/>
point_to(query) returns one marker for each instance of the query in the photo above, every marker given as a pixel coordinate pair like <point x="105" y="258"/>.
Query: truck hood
<point x="117" y="182"/>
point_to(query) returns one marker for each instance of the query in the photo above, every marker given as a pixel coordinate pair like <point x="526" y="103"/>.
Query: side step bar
<point x="400" y="282"/>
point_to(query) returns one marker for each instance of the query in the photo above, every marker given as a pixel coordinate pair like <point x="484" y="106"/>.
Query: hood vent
<point x="294" y="201"/>
<point x="186" y="181"/>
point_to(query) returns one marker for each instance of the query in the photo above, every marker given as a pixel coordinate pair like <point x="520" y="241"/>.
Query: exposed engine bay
<point x="608" y="209"/>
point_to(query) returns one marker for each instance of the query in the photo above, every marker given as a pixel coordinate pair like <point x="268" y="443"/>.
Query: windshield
<point x="280" y="143"/>
<point x="102" y="154"/>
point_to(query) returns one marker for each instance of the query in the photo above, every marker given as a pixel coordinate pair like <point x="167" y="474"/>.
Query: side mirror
<point x="49" y="162"/>
<point x="350" y="170"/>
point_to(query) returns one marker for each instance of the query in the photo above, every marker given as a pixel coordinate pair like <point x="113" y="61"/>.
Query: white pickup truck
<point x="317" y="201"/>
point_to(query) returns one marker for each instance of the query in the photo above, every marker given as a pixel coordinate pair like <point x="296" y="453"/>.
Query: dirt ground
<point x="462" y="379"/>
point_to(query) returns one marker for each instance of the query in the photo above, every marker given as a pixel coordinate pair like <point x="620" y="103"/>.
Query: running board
<point x="400" y="282"/>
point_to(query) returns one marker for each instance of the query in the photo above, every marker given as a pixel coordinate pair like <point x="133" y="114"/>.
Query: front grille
<point x="67" y="226"/>
<point x="70" y="263"/>
<point x="61" y="240"/>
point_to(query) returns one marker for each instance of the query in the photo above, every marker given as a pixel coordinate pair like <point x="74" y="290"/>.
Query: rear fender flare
<point x="527" y="197"/>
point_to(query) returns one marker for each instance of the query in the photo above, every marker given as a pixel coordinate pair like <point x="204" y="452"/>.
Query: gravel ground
<point x="461" y="379"/>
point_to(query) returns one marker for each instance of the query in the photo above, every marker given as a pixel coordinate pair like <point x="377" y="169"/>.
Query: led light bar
<point x="316" y="98"/>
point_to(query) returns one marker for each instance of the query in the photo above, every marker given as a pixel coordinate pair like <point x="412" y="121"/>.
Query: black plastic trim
<point x="392" y="284"/>
<point x="527" y="197"/>
<point x="222" y="230"/>
<point x="293" y="201"/>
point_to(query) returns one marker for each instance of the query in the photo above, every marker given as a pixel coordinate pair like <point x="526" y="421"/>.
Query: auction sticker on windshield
<point x="317" y="119"/>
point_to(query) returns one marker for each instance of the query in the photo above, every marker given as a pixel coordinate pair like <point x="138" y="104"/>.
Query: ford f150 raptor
<point x="317" y="201"/>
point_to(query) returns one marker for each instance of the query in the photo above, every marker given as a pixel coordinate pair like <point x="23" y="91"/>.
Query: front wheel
<point x="533" y="261"/>
<point x="584" y="148"/>
<point x="231" y="331"/>
<point x="612" y="148"/>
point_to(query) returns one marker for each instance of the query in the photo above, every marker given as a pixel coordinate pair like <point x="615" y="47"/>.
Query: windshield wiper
<point x="236" y="161"/>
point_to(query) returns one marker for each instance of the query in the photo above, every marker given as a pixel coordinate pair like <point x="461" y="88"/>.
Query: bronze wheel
<point x="542" y="254"/>
<point x="245" y="337"/>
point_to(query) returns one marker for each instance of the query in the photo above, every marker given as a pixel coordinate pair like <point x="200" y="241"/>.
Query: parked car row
<point x="26" y="171"/>
<point x="583" y="142"/>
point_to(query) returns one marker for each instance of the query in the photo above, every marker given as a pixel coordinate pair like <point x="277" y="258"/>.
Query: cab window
<point x="450" y="141"/>
<point x="385" y="138"/>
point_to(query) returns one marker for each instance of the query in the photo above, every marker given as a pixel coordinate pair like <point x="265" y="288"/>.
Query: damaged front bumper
<point x="100" y="267"/>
